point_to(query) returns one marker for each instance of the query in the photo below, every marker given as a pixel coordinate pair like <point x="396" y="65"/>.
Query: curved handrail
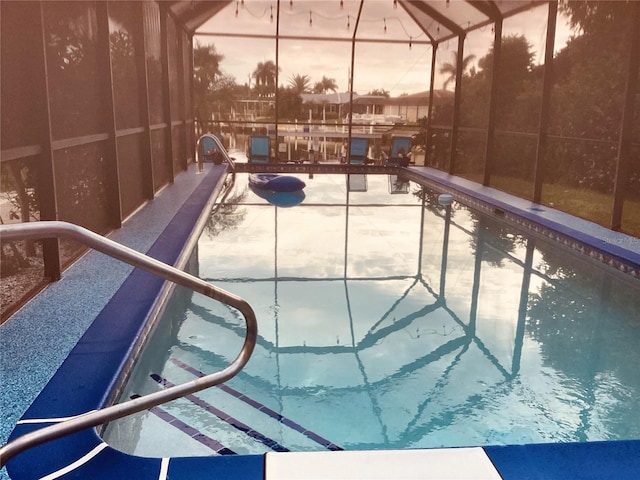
<point x="57" y="229"/>
<point x="223" y="150"/>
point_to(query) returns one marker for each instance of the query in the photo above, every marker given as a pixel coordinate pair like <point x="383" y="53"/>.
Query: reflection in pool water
<point x="279" y="199"/>
<point x="389" y="321"/>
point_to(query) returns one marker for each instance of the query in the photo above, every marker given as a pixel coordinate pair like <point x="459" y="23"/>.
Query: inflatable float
<point x="276" y="182"/>
<point x="279" y="199"/>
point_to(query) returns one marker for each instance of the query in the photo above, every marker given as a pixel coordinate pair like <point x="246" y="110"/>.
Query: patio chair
<point x="400" y="151"/>
<point x="259" y="149"/>
<point x="359" y="150"/>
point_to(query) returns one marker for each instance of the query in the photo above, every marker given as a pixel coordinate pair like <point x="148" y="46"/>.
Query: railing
<point x="39" y="230"/>
<point x="221" y="148"/>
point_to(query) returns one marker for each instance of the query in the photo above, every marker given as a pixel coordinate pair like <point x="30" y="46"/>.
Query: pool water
<point x="388" y="321"/>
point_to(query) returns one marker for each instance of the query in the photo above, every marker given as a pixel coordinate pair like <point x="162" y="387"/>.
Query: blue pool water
<point x="386" y="322"/>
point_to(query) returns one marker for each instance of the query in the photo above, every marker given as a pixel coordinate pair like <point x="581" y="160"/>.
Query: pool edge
<point x="614" y="249"/>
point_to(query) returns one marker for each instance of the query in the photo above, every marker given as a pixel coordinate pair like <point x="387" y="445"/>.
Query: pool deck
<point x="44" y="358"/>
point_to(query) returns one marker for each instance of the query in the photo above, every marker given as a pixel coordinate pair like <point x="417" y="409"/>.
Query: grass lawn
<point x="580" y="202"/>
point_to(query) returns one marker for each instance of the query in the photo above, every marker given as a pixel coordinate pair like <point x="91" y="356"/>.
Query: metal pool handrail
<point x="223" y="150"/>
<point x="56" y="229"/>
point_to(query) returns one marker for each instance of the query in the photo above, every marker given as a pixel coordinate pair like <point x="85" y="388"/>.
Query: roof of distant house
<point x="419" y="98"/>
<point x="334" y="98"/>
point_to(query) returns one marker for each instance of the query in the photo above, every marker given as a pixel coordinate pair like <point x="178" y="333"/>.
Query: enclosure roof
<point x="440" y="20"/>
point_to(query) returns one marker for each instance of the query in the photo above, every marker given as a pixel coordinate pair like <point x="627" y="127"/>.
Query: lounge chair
<point x="208" y="148"/>
<point x="259" y="149"/>
<point x="359" y="150"/>
<point x="400" y="151"/>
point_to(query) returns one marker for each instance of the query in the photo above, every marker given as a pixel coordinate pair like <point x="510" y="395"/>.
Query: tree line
<point x="588" y="81"/>
<point x="216" y="92"/>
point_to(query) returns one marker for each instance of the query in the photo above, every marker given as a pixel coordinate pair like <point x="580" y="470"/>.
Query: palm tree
<point x="299" y="83"/>
<point x="451" y="68"/>
<point x="325" y="85"/>
<point x="206" y="65"/>
<point x="329" y="84"/>
<point x="265" y="75"/>
<point x="207" y="77"/>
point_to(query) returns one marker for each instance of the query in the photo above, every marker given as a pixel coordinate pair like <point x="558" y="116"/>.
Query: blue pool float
<point x="279" y="199"/>
<point x="276" y="182"/>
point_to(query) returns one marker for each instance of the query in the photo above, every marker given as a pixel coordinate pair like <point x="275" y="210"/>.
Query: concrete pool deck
<point x="36" y="339"/>
<point x="33" y="348"/>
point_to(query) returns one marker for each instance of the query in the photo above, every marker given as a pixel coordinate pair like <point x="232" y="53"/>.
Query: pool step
<point x="234" y="410"/>
<point x="207" y="441"/>
<point x="234" y="422"/>
<point x="264" y="409"/>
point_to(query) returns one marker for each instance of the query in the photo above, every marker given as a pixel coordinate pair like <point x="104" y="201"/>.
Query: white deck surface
<point x="437" y="464"/>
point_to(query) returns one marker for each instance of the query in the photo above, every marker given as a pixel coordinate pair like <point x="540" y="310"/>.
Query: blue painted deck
<point x="43" y="335"/>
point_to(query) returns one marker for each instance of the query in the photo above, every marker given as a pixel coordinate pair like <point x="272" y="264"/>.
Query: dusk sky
<point x="393" y="67"/>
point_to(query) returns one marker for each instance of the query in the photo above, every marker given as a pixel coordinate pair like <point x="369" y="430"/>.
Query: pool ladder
<point x="56" y="229"/>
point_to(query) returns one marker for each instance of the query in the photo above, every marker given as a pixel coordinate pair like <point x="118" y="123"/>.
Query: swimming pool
<point x="389" y="323"/>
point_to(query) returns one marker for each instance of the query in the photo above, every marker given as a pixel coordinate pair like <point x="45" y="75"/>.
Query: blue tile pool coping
<point x="85" y="378"/>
